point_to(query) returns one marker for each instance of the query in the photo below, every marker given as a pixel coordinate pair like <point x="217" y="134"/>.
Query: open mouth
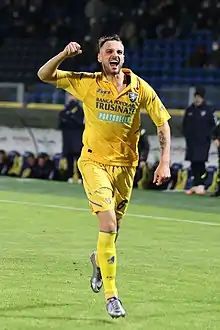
<point x="114" y="64"/>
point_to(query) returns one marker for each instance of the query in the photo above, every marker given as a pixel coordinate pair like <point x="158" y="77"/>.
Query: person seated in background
<point x="216" y="140"/>
<point x="143" y="148"/>
<point x="149" y="184"/>
<point x="71" y="124"/>
<point x="44" y="167"/>
<point x="3" y="162"/>
<point x="28" y="166"/>
<point x="169" y="30"/>
<point x="60" y="167"/>
<point x="198" y="59"/>
<point x="14" y="164"/>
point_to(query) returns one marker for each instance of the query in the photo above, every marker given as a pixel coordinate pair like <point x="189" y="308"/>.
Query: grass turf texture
<point x="168" y="270"/>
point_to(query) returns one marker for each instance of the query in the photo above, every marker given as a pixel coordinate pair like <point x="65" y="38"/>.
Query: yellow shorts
<point x="107" y="187"/>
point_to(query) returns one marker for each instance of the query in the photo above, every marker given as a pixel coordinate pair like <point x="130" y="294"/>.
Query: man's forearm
<point x="164" y="141"/>
<point x="47" y="72"/>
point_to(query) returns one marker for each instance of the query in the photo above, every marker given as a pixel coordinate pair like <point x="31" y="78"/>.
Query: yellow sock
<point x="96" y="255"/>
<point x="97" y="260"/>
<point x="107" y="259"/>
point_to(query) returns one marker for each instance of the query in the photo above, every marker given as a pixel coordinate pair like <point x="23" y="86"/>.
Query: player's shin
<point x="107" y="258"/>
<point x="116" y="238"/>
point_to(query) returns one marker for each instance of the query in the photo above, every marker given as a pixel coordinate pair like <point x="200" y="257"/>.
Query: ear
<point x="99" y="58"/>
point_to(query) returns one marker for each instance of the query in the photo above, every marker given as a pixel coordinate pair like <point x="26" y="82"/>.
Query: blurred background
<point x="172" y="44"/>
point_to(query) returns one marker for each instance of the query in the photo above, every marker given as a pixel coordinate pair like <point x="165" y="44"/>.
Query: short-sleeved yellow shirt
<point x="112" y="119"/>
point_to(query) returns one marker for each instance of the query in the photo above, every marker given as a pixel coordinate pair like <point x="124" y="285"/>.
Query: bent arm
<point x="48" y="72"/>
<point x="164" y="141"/>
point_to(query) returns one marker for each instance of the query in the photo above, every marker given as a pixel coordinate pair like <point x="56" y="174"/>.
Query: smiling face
<point x="111" y="56"/>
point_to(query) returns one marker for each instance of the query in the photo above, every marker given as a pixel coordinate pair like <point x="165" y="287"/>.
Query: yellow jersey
<point x="112" y="119"/>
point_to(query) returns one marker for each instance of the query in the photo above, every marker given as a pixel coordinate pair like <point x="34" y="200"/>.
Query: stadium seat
<point x="159" y="61"/>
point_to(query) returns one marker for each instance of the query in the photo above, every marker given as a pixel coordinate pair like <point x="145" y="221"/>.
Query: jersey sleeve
<point x="75" y="83"/>
<point x="153" y="105"/>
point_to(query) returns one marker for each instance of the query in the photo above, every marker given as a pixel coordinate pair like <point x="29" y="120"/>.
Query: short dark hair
<point x="104" y="39"/>
<point x="200" y="91"/>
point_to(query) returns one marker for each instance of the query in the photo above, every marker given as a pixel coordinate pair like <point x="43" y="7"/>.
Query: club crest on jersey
<point x="132" y="96"/>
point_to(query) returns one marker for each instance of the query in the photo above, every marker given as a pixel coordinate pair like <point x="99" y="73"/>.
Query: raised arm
<point x="48" y="72"/>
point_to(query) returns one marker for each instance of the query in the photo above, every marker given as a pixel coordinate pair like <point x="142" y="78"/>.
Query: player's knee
<point x="107" y="221"/>
<point x="111" y="227"/>
<point x="108" y="226"/>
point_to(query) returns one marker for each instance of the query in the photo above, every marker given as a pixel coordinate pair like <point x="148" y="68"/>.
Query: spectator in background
<point x="143" y="149"/>
<point x="128" y="35"/>
<point x="198" y="58"/>
<point x="14" y="163"/>
<point x="186" y="21"/>
<point x="214" y="57"/>
<point x="169" y="30"/>
<point x="28" y="169"/>
<point x="3" y="162"/>
<point x="71" y="123"/>
<point x="95" y="10"/>
<point x="203" y="14"/>
<point x="216" y="140"/>
<point x="208" y="15"/>
<point x="198" y="124"/>
<point x="44" y="167"/>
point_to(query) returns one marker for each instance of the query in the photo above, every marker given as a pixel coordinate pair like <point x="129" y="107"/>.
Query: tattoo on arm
<point x="162" y="141"/>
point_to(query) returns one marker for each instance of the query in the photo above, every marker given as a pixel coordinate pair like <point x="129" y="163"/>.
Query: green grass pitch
<point x="168" y="260"/>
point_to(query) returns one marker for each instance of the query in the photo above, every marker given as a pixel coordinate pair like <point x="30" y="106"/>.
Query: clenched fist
<point x="72" y="49"/>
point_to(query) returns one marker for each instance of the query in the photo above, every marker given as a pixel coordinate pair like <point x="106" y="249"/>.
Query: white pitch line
<point x="204" y="223"/>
